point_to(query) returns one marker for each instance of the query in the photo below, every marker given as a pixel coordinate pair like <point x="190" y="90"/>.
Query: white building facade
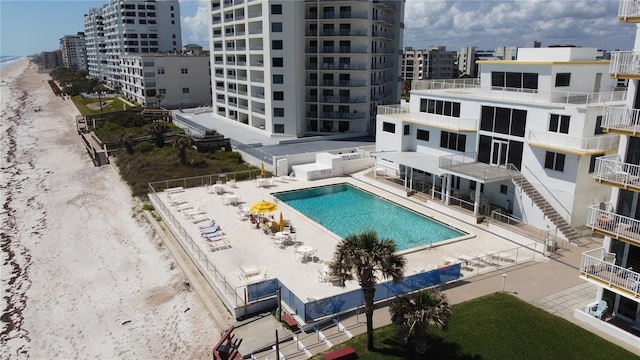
<point x="74" y="51"/>
<point x="615" y="267"/>
<point x="524" y="142"/>
<point x="172" y="80"/>
<point x="130" y="27"/>
<point x="434" y="63"/>
<point x="305" y="67"/>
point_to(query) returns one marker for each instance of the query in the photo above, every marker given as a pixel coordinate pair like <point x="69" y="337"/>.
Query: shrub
<point x="145" y="147"/>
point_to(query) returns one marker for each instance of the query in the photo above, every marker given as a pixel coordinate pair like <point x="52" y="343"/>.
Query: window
<point x="554" y="161"/>
<point x="389" y="127"/>
<point x="514" y="80"/>
<point x="504" y="189"/>
<point x="162" y="91"/>
<point x="278" y="128"/>
<point x="503" y="120"/>
<point x="276" y="44"/>
<point x="184" y="71"/>
<point x="278" y="95"/>
<point x="278" y="112"/>
<point x="440" y="107"/>
<point x="278" y="62"/>
<point x="422" y="135"/>
<point x="185" y="90"/>
<point x="453" y="141"/>
<point x="592" y="164"/>
<point x="599" y="130"/>
<point x="278" y="79"/>
<point x="276" y="27"/>
<point x="407" y="130"/>
<point x="563" y="79"/>
<point x="559" y="123"/>
<point x="160" y="71"/>
<point x="276" y="9"/>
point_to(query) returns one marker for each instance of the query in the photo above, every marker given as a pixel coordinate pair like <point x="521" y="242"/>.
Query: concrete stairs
<point x="549" y="211"/>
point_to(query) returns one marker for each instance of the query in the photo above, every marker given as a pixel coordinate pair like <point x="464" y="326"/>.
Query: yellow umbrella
<point x="262" y="169"/>
<point x="281" y="222"/>
<point x="263" y="206"/>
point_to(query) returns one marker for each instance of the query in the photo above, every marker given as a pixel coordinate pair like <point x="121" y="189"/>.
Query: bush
<point x="145" y="147"/>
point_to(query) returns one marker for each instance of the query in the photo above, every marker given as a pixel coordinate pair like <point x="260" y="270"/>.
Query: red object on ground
<point x="345" y="353"/>
<point x="290" y="321"/>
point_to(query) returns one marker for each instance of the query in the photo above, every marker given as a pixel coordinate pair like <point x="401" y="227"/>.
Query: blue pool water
<point x="345" y="209"/>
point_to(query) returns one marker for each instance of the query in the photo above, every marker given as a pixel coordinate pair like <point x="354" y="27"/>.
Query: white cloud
<point x="482" y="23"/>
<point x="491" y="23"/>
<point x="195" y="28"/>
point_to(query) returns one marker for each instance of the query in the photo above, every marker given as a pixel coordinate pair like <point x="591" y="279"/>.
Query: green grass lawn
<point x="497" y="326"/>
<point x="81" y="103"/>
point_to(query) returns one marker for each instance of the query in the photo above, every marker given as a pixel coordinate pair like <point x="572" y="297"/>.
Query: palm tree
<point x="157" y="131"/>
<point x="182" y="143"/>
<point x="365" y="256"/>
<point x="414" y="314"/>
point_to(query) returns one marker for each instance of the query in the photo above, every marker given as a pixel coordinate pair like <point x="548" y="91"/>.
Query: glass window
<point x="278" y="128"/>
<point x="422" y="135"/>
<point x="278" y="112"/>
<point x="278" y="95"/>
<point x="497" y="79"/>
<point x="278" y="79"/>
<point x="276" y="44"/>
<point x="598" y="130"/>
<point x="486" y="118"/>
<point x="592" y="163"/>
<point x="563" y="79"/>
<point x="554" y="161"/>
<point x="276" y="27"/>
<point x="518" y="122"/>
<point x="389" y="127"/>
<point x="276" y="9"/>
<point x="278" y="62"/>
<point x="407" y="130"/>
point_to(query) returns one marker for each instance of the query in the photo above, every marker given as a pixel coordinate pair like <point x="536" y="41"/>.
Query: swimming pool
<point x="344" y="209"/>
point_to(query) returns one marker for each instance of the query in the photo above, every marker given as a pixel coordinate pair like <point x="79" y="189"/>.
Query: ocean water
<point x="6" y="60"/>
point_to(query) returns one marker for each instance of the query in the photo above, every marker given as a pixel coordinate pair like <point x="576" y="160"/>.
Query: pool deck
<point x="249" y="247"/>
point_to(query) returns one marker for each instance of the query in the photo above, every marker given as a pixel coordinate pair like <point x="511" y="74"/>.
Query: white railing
<point x="612" y="169"/>
<point x="624" y="63"/>
<point x="439" y="121"/>
<point x="622" y="118"/>
<point x="563" y="141"/>
<point x="592" y="265"/>
<point x="471" y="87"/>
<point x="602" y="218"/>
<point x="629" y="8"/>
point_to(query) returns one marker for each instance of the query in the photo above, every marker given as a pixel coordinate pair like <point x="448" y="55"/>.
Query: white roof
<point x="421" y="161"/>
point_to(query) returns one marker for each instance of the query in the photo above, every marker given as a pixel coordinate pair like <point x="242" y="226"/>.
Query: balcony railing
<point x="438" y="121"/>
<point x="473" y="88"/>
<point x="629" y="9"/>
<point x="592" y="266"/>
<point x="602" y="219"/>
<point x="553" y="140"/>
<point x="624" y="64"/>
<point x="622" y="119"/>
<point x="611" y="169"/>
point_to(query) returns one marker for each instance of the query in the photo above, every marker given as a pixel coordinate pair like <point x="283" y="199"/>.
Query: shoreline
<point x="84" y="274"/>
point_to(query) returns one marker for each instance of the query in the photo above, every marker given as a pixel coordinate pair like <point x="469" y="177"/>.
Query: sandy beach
<point x="83" y="273"/>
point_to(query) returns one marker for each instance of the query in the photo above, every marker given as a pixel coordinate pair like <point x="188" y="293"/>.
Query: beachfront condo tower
<point x="312" y="67"/>
<point x="129" y="27"/>
<point x="615" y="267"/>
<point x="74" y="51"/>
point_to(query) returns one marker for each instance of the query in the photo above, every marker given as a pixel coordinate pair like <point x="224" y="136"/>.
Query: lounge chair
<point x="210" y="229"/>
<point x="209" y="224"/>
<point x="174" y="190"/>
<point x="609" y="258"/>
<point x="599" y="309"/>
<point x="199" y="218"/>
<point x="231" y="183"/>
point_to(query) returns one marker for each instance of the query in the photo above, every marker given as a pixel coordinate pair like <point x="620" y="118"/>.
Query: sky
<point x="32" y="26"/>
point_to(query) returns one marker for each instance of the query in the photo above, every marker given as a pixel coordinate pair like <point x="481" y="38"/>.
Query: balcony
<point x="437" y="121"/>
<point x="625" y="64"/>
<point x="622" y="120"/>
<point x="572" y="144"/>
<point x="629" y="11"/>
<point x="603" y="220"/>
<point x="612" y="171"/>
<point x="623" y="281"/>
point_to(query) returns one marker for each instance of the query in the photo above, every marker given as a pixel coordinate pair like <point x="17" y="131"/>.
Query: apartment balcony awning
<point x="603" y="220"/>
<point x="572" y="144"/>
<point x="466" y="166"/>
<point x="411" y="159"/>
<point x="596" y="270"/>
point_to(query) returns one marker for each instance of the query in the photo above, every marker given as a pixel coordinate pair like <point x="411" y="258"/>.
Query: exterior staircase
<point x="549" y="211"/>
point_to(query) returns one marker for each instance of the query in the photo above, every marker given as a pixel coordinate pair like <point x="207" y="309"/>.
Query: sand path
<point x="83" y="274"/>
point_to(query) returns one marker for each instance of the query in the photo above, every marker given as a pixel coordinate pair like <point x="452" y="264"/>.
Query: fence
<point x="314" y="309"/>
